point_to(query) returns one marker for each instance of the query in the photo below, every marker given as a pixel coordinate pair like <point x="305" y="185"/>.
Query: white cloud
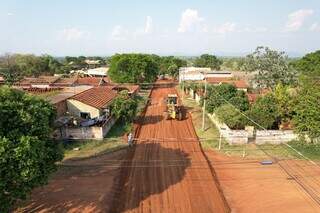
<point x="315" y="27"/>
<point x="73" y="34"/>
<point x="119" y="33"/>
<point x="10" y="14"/>
<point x="297" y="19"/>
<point x="255" y="29"/>
<point x="225" y="28"/>
<point x="149" y="25"/>
<point x="191" y="21"/>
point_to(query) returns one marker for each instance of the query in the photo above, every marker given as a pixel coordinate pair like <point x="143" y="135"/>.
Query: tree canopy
<point x="218" y="95"/>
<point x="231" y="116"/>
<point x="207" y="60"/>
<point x="170" y="65"/>
<point x="271" y="67"/>
<point x="27" y="154"/>
<point x="265" y="112"/>
<point x="309" y="64"/>
<point x="124" y="107"/>
<point x="133" y="68"/>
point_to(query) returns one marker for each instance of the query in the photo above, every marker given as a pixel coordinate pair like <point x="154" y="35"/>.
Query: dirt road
<point x="167" y="170"/>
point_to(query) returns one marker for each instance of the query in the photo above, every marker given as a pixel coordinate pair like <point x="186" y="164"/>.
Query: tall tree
<point x="124" y="107"/>
<point x="207" y="60"/>
<point x="27" y="154"/>
<point x="271" y="67"/>
<point x="133" y="68"/>
<point x="309" y="65"/>
<point x="265" y="112"/>
<point x="307" y="111"/>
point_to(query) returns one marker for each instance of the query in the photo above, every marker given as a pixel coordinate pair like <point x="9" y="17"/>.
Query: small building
<point x="239" y="84"/>
<point x="40" y="82"/>
<point x="200" y="73"/>
<point x="91" y="103"/>
<point x="92" y="81"/>
<point x="97" y="72"/>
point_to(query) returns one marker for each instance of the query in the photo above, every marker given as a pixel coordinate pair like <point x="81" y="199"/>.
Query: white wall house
<point x="200" y="73"/>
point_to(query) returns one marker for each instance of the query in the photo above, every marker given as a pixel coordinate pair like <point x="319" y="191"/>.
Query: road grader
<point x="173" y="109"/>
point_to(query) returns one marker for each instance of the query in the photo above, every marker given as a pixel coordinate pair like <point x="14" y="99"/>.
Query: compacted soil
<point x="285" y="186"/>
<point x="167" y="170"/>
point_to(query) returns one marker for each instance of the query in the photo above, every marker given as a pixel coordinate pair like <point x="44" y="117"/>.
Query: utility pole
<point x="204" y="103"/>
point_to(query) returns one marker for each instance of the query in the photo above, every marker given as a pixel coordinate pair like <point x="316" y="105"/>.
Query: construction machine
<point x="173" y="109"/>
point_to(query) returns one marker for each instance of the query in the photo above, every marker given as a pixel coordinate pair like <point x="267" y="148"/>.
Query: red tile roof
<point x="65" y="81"/>
<point x="92" y="81"/>
<point x="97" y="97"/>
<point x="241" y="84"/>
<point x="217" y="80"/>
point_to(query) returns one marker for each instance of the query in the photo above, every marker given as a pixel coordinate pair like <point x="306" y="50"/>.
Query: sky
<point x="164" y="27"/>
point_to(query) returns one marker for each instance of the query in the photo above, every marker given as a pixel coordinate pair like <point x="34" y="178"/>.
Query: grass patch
<point x="210" y="139"/>
<point x="309" y="150"/>
<point x="89" y="148"/>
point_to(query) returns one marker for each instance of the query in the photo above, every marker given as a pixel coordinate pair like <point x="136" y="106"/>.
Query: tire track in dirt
<point x="162" y="188"/>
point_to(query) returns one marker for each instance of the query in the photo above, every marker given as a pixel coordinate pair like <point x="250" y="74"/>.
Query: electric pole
<point x="204" y="103"/>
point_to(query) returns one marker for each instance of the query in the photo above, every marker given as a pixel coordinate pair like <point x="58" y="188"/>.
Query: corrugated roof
<point x="97" y="97"/>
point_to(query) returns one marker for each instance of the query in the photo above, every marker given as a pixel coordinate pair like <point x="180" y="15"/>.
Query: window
<point x="85" y="115"/>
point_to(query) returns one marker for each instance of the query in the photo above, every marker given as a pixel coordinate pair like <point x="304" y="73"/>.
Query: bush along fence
<point x="249" y="134"/>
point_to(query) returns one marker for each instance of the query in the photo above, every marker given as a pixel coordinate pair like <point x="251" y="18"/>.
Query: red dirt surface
<point x="166" y="170"/>
<point x="82" y="186"/>
<point x="286" y="186"/>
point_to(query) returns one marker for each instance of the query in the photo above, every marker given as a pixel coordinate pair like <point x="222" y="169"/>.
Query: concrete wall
<point x="275" y="136"/>
<point x="75" y="107"/>
<point x="231" y="136"/>
<point x="92" y="132"/>
<point x="61" y="107"/>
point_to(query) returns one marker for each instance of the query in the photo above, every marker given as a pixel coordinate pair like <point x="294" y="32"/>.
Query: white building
<point x="200" y="73"/>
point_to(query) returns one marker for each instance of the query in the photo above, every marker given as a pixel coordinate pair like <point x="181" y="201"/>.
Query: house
<point x="239" y="84"/>
<point x="40" y="82"/>
<point x="200" y="73"/>
<point x="92" y="81"/>
<point x="97" y="72"/>
<point x="92" y="63"/>
<point x="91" y="103"/>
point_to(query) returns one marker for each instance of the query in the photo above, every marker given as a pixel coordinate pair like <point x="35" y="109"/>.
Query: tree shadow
<point x="150" y="119"/>
<point x="150" y="169"/>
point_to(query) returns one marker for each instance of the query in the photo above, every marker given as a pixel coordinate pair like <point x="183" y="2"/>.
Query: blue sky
<point x="179" y="27"/>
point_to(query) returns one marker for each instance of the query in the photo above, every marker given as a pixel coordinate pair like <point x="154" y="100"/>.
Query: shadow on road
<point x="150" y="170"/>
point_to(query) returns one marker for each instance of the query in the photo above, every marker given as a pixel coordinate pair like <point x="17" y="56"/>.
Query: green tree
<point x="124" y="107"/>
<point x="286" y="99"/>
<point x="133" y="68"/>
<point x="240" y="101"/>
<point x="231" y="116"/>
<point x="309" y="65"/>
<point x="307" y="111"/>
<point x="265" y="112"/>
<point x="207" y="60"/>
<point x="170" y="65"/>
<point x="271" y="67"/>
<point x="27" y="154"/>
<point x="218" y="95"/>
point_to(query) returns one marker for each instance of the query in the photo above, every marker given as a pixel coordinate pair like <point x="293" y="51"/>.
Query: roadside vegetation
<point x="210" y="137"/>
<point x="89" y="148"/>
<point x="27" y="153"/>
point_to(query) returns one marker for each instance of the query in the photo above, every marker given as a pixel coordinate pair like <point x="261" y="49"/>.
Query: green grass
<point x="89" y="148"/>
<point x="210" y="139"/>
<point x="311" y="151"/>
